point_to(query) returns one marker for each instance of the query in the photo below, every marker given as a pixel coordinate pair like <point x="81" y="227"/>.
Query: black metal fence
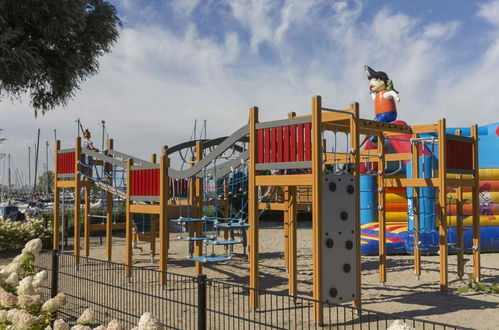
<point x="187" y="302"/>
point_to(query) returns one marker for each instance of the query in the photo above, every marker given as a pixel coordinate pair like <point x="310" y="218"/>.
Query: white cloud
<point x="157" y="80"/>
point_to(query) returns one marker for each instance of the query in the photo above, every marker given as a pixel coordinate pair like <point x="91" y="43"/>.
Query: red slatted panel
<point x="279" y="144"/>
<point x="459" y="155"/>
<point x="145" y="182"/>
<point x="171" y="186"/>
<point x="273" y="144"/>
<point x="299" y="149"/>
<point x="308" y="142"/>
<point x="292" y="143"/>
<point x="66" y="163"/>
<point x="286" y="144"/>
<point x="266" y="145"/>
<point x="260" y="146"/>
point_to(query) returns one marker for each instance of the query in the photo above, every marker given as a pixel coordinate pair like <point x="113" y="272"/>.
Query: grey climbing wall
<point x="339" y="266"/>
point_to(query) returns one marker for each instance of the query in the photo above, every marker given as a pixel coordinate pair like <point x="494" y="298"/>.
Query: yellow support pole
<point x="76" y="219"/>
<point x="317" y="208"/>
<point x="253" y="210"/>
<point x="476" y="207"/>
<point x="442" y="174"/>
<point x="129" y="220"/>
<point x="164" y="222"/>
<point x="355" y="159"/>
<point x="109" y="210"/>
<point x="55" y="246"/>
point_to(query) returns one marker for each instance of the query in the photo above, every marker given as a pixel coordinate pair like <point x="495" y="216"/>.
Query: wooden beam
<point x="381" y="210"/>
<point x="442" y="175"/>
<point x="355" y="145"/>
<point x="199" y="203"/>
<point x="104" y="226"/>
<point x="66" y="184"/>
<point x="415" y="208"/>
<point x="292" y="241"/>
<point x="109" y="209"/>
<point x="284" y="180"/>
<point x="316" y="181"/>
<point x="57" y="221"/>
<point x="86" y="224"/>
<point x="164" y="221"/>
<point x="476" y="207"/>
<point x="413" y="182"/>
<point x="129" y="220"/>
<point x="253" y="210"/>
<point x="154" y="221"/>
<point x="77" y="201"/>
<point x="145" y="208"/>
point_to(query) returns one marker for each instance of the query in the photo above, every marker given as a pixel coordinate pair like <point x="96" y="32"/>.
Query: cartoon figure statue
<point x="486" y="201"/>
<point x="384" y="95"/>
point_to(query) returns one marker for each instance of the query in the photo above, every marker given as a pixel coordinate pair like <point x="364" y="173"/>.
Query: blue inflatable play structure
<point x="399" y="211"/>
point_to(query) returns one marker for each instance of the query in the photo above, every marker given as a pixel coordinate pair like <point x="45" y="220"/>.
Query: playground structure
<point x="296" y="151"/>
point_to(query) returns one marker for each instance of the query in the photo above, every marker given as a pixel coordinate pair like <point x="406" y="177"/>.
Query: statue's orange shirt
<point x="382" y="105"/>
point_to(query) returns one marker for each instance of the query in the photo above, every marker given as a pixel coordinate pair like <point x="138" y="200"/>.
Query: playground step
<point x="222" y="242"/>
<point x="193" y="239"/>
<point x="231" y="225"/>
<point x="209" y="258"/>
<point x="184" y="220"/>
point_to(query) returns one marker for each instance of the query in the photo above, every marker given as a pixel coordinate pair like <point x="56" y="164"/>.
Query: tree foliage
<point x="45" y="180"/>
<point x="49" y="47"/>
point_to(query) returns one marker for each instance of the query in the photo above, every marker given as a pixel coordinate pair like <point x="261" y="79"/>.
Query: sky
<point x="181" y="60"/>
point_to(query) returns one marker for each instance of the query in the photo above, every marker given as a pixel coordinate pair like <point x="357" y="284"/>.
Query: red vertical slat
<point x="266" y="143"/>
<point x="156" y="188"/>
<point x="171" y="187"/>
<point x="279" y="144"/>
<point x="308" y="142"/>
<point x="260" y="146"/>
<point x="292" y="143"/>
<point x="140" y="176"/>
<point x="273" y="150"/>
<point x="299" y="149"/>
<point x="147" y="174"/>
<point x="286" y="144"/>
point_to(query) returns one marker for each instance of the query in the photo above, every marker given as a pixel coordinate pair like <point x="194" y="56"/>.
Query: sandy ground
<point x="402" y="293"/>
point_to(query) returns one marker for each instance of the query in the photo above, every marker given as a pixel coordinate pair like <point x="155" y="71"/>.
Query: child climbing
<point x="383" y="94"/>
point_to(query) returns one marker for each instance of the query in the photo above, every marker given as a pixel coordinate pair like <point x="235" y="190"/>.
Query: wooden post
<point x="86" y="218"/>
<point x="76" y="220"/>
<point x="200" y="213"/>
<point x="442" y="174"/>
<point x="153" y="228"/>
<point x="226" y="204"/>
<point x="286" y="228"/>
<point x="355" y="159"/>
<point x="287" y="219"/>
<point x="55" y="246"/>
<point x="164" y="150"/>
<point x="381" y="208"/>
<point x="459" y="227"/>
<point x="415" y="208"/>
<point x="109" y="208"/>
<point x="317" y="207"/>
<point x="164" y="222"/>
<point x="129" y="219"/>
<point x="476" y="207"/>
<point x="253" y="210"/>
<point x="292" y="210"/>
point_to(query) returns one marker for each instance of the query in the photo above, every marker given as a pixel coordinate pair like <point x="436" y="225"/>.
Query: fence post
<point x="54" y="283"/>
<point x="201" y="281"/>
